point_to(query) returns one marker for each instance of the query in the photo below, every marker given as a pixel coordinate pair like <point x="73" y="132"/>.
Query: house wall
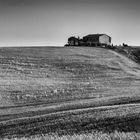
<point x="104" y="39"/>
<point x="91" y="41"/>
<point x="73" y="43"/>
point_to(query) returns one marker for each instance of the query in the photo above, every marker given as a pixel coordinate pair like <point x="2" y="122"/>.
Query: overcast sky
<point x="51" y="22"/>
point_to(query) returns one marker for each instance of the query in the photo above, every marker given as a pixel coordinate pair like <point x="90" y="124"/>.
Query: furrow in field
<point x="70" y="120"/>
<point x="31" y="111"/>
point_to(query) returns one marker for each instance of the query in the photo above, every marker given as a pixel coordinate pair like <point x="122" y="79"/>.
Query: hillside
<point x="131" y="52"/>
<point x="31" y="75"/>
<point x="43" y="81"/>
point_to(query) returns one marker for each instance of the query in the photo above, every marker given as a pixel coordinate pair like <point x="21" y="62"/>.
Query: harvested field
<point x="67" y="90"/>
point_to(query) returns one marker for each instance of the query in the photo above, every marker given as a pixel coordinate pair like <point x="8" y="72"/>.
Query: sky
<point x="51" y="22"/>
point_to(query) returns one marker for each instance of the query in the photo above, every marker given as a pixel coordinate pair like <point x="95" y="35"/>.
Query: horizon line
<point x="32" y="46"/>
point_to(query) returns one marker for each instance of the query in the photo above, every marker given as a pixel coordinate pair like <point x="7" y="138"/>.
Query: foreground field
<point x="90" y="136"/>
<point x="68" y="91"/>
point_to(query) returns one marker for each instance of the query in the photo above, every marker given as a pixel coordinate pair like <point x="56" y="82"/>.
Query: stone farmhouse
<point x="90" y="40"/>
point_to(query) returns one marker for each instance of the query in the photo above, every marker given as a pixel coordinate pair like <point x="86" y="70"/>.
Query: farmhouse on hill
<point x="90" y="40"/>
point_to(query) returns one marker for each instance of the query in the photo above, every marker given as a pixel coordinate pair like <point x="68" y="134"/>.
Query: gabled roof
<point x="72" y="38"/>
<point x="95" y="35"/>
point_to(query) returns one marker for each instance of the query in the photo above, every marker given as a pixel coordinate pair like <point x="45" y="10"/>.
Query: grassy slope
<point x="35" y="78"/>
<point x="129" y="51"/>
<point x="35" y="75"/>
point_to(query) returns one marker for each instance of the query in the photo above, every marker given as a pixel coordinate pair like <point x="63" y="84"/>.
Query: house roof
<point x="73" y="38"/>
<point x="95" y="35"/>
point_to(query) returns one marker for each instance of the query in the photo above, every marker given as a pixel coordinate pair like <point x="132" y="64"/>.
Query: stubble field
<point x="68" y="91"/>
